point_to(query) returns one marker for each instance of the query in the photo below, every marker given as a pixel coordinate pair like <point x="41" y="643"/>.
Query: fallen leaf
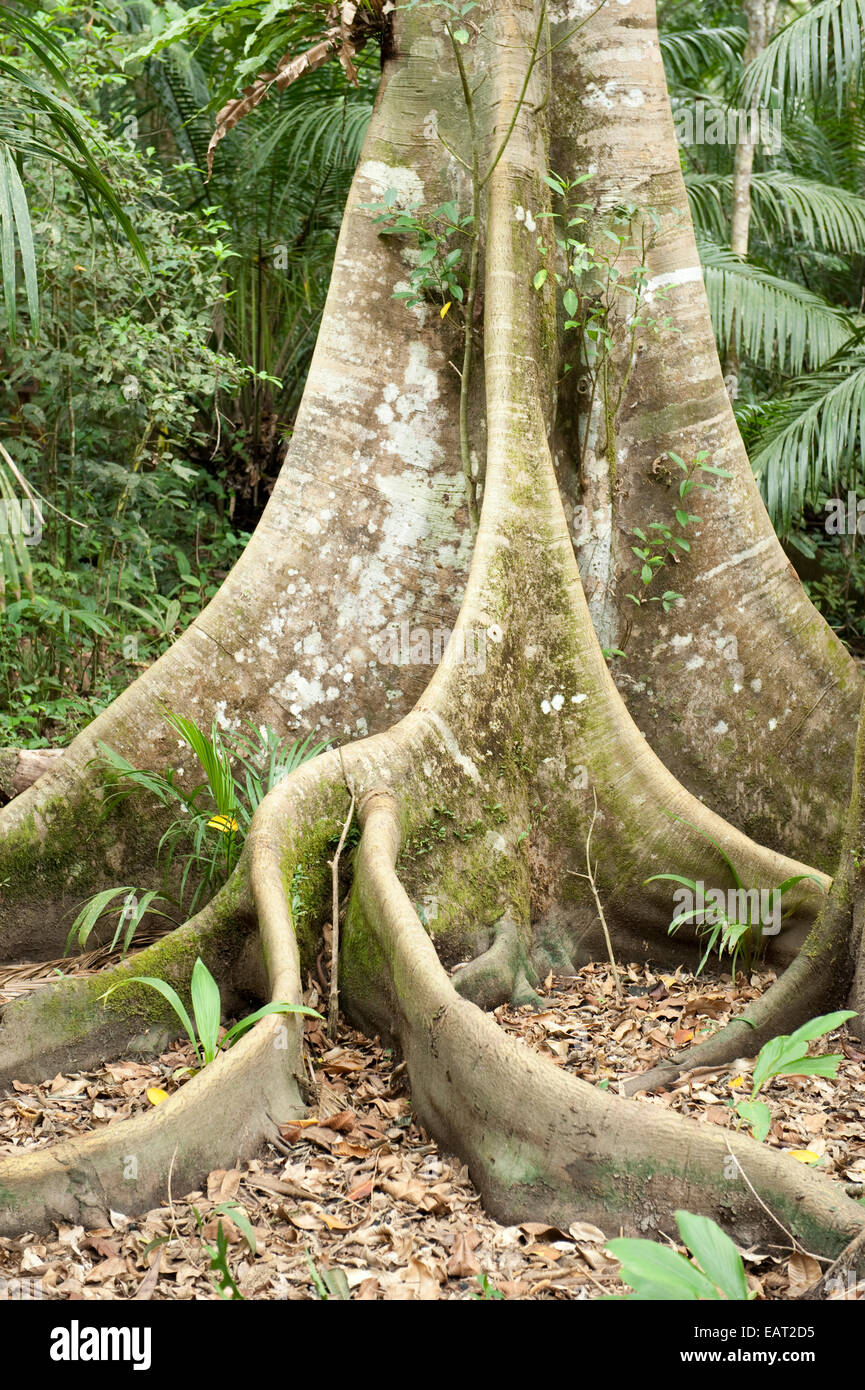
<point x="803" y="1271"/>
<point x="462" y="1263"/>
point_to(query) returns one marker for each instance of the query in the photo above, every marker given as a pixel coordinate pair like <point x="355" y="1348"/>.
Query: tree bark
<point x="21" y="767"/>
<point x="477" y="803"/>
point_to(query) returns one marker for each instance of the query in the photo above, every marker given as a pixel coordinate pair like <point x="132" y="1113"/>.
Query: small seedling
<point x="207" y="1011"/>
<point x="787" y="1055"/>
<point x="714" y="1272"/>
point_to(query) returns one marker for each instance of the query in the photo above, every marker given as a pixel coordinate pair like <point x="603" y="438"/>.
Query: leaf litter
<point x="356" y="1199"/>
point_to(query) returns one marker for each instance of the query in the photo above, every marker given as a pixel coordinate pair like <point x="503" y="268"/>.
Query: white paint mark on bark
<point x="686" y="275"/>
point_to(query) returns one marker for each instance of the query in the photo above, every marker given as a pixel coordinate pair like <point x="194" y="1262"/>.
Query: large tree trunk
<point x="514" y="756"/>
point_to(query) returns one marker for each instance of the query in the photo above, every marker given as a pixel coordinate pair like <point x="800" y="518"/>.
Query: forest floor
<point x="360" y="1188"/>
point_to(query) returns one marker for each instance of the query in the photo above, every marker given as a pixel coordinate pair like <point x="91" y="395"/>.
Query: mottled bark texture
<point x="476" y="804"/>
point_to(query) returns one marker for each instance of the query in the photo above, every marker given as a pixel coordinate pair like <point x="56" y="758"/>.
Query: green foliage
<point x="772" y="320"/>
<point x="787" y="1055"/>
<point x="203" y="1027"/>
<point x="43" y="121"/>
<point x="665" y="545"/>
<point x="328" y="1283"/>
<point x="791" y="310"/>
<point x="202" y="844"/>
<point x="593" y="286"/>
<point x="715" y="1271"/>
<point x="742" y="938"/>
<point x="487" y="1291"/>
<point x="437" y="275"/>
<point x="817" y="55"/>
<point x="221" y="1276"/>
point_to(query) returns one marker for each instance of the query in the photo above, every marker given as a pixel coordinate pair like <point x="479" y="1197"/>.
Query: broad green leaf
<point x="757" y="1114"/>
<point x="206" y="1008"/>
<point x="819" y="1027"/>
<point x="173" y="999"/>
<point x="715" y="1253"/>
<point x="656" y="1272"/>
<point x="827" y="1065"/>
<point x="276" y="1008"/>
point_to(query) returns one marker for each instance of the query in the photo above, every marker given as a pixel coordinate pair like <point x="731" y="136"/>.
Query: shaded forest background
<point x="149" y="379"/>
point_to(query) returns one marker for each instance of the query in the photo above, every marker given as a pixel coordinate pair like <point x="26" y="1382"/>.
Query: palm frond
<point x="775" y="322"/>
<point x="815" y="436"/>
<point x="690" y="53"/>
<point x="819" y="53"/>
<point x="784" y="205"/>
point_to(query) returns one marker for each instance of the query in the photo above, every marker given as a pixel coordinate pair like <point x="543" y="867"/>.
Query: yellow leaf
<point x="804" y="1155"/>
<point x="156" y="1095"/>
<point x="333" y="1223"/>
<point x="735" y="1081"/>
<point x="446" y="307"/>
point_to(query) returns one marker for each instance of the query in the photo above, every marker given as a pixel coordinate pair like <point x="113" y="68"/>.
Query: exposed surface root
<point x="251" y="1088"/>
<point x="541" y="1145"/>
<point x="828" y="968"/>
<point x="502" y="973"/>
<point x="68" y="1024"/>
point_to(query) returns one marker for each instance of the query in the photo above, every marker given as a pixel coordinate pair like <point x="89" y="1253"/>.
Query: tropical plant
<point x="202" y="844"/>
<point x="41" y="119"/>
<point x="203" y="1028"/>
<point x="789" y="311"/>
<point x="787" y="1055"/>
<point x="653" y="1271"/>
<point x="742" y="937"/>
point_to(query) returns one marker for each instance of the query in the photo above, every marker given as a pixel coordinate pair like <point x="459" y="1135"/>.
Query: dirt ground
<point x="357" y="1201"/>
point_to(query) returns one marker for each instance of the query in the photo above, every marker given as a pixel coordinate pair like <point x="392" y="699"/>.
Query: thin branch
<point x="794" y="1242"/>
<point x="590" y="877"/>
<point x="333" y="1003"/>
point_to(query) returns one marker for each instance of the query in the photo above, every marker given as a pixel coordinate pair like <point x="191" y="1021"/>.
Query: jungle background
<point x="151" y="401"/>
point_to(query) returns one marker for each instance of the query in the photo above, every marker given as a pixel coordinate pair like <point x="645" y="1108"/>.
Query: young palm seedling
<point x="203" y="1032"/>
<point x="736" y="921"/>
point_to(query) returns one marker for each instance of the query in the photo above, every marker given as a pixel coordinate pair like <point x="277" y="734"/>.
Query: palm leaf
<point x="690" y="53"/>
<point x="814" y="438"/>
<point x="784" y="205"/>
<point x="773" y="321"/>
<point x="820" y="52"/>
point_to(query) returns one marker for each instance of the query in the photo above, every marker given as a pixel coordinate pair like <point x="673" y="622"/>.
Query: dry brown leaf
<point x="223" y="1184"/>
<point x="803" y="1271"/>
<point x="462" y="1263"/>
